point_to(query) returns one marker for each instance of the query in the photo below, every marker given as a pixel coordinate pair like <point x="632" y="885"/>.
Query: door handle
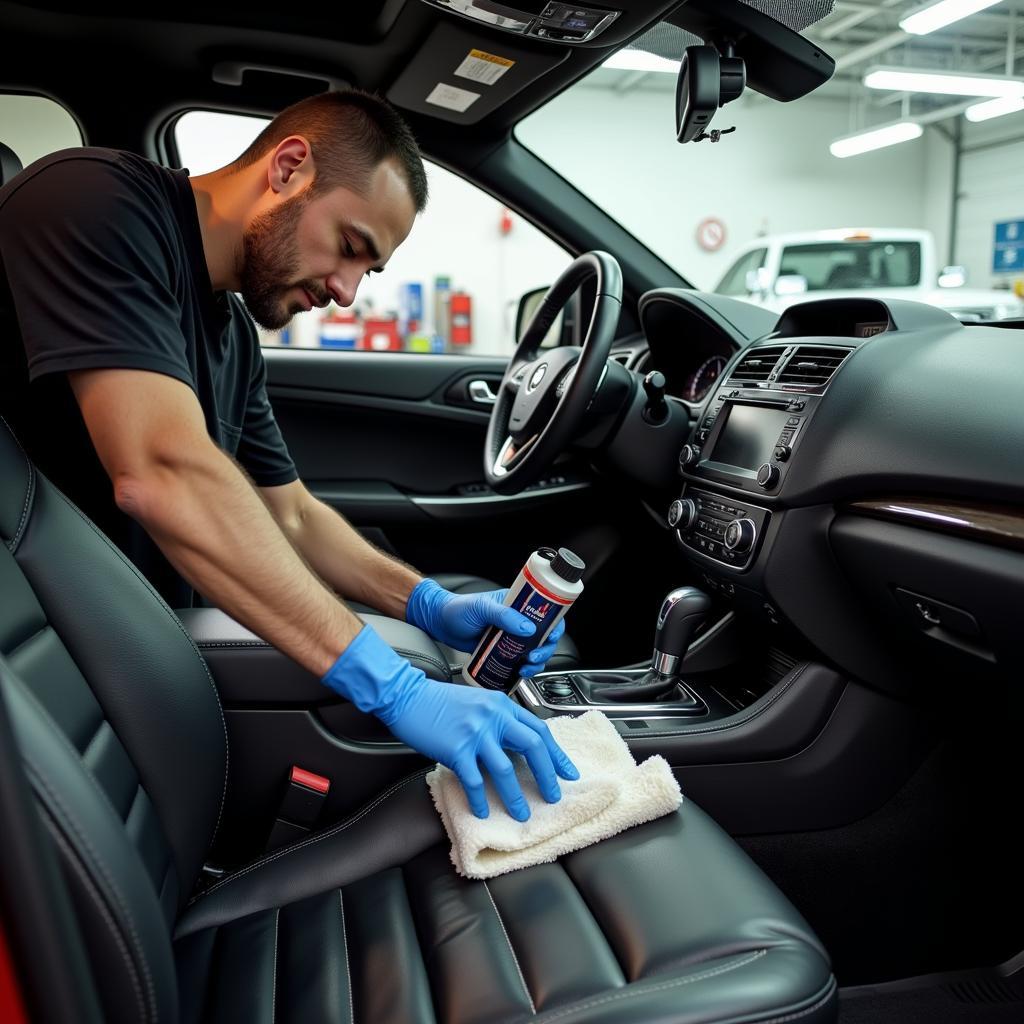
<point x="481" y="393"/>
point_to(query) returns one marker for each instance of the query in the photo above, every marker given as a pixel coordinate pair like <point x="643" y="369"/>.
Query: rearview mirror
<point x="707" y="80"/>
<point x="790" y="284"/>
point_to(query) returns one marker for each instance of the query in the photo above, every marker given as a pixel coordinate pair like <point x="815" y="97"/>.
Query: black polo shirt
<point x="102" y="266"/>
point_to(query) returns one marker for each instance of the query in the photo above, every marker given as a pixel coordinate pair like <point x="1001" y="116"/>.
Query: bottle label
<point x="500" y="654"/>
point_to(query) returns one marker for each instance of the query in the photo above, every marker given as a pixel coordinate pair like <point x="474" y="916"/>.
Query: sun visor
<point x="461" y="74"/>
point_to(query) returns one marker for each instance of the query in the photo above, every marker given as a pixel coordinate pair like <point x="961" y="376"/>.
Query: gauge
<point x="702" y="378"/>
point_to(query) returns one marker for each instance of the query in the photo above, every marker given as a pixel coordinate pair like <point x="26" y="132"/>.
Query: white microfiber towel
<point x="613" y="793"/>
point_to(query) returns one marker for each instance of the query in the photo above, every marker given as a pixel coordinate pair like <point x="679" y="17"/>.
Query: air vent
<point x="812" y="365"/>
<point x="755" y="366"/>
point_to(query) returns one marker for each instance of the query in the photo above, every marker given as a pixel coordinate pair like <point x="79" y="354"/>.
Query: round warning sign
<point x="710" y="234"/>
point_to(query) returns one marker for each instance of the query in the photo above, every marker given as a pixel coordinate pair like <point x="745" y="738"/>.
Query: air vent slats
<point x="812" y="365"/>
<point x="757" y="364"/>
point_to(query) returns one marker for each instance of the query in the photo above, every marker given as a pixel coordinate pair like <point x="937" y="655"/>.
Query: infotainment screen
<point x="749" y="436"/>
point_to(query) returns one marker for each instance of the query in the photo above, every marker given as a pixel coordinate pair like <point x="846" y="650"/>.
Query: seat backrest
<point x="120" y="730"/>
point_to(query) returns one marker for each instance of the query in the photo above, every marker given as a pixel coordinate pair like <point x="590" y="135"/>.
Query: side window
<point x="34" y="126"/>
<point x="735" y="280"/>
<point x="452" y="286"/>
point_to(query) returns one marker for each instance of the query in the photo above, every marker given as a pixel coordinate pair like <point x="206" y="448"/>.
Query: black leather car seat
<point x="123" y="741"/>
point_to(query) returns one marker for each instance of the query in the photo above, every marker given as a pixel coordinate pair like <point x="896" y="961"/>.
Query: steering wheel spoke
<point x="546" y="392"/>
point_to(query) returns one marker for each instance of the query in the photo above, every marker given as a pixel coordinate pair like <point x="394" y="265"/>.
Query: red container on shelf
<point x="380" y="334"/>
<point x="461" y="312"/>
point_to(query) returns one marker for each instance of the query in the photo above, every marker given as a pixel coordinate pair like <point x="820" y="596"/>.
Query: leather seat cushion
<point x="369" y="922"/>
<point x="566" y="655"/>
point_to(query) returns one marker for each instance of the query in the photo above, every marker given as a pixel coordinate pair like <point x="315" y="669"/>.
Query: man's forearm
<point x="349" y="563"/>
<point x="214" y="529"/>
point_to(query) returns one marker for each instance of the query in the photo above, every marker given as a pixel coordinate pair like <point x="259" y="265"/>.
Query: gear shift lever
<point x="682" y="611"/>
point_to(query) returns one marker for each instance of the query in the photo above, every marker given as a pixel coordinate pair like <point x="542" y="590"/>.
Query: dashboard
<point x="849" y="470"/>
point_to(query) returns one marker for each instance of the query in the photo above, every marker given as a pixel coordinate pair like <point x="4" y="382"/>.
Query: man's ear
<point x="290" y="167"/>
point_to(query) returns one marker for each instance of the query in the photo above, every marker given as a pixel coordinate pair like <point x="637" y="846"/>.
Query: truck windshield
<point x="835" y="265"/>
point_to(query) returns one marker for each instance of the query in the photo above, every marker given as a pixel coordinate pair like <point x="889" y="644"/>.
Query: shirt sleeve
<point x="91" y="271"/>
<point x="262" y="449"/>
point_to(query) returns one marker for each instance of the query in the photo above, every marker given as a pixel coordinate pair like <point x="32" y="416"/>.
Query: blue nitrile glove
<point x="459" y="620"/>
<point x="456" y="725"/>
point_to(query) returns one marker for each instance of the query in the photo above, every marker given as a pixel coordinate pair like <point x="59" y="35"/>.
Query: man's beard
<point x="270" y="254"/>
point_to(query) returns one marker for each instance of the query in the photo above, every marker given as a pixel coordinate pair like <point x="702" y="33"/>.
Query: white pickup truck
<point x="776" y="271"/>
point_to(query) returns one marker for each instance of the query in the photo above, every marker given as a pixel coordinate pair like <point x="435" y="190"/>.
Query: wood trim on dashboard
<point x="998" y="525"/>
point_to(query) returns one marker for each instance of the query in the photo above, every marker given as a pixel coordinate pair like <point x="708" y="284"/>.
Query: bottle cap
<point x="567" y="565"/>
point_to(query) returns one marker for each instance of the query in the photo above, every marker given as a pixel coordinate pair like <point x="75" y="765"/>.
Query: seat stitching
<point x="184" y="632"/>
<point x="273" y="990"/>
<point x="101" y="866"/>
<point x="30" y="491"/>
<point x="348" y="969"/>
<point x="74" y="861"/>
<point x="519" y="970"/>
<point x="675" y="983"/>
<point x="313" y="839"/>
<point x="732" y="724"/>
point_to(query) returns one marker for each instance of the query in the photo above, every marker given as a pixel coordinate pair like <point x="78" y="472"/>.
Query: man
<point x="126" y="360"/>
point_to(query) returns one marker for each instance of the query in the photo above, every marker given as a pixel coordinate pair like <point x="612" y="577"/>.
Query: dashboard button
<point x="793" y="421"/>
<point x="782" y="452"/>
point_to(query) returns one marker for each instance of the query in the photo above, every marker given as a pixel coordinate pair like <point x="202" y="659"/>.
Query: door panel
<point x="395" y="443"/>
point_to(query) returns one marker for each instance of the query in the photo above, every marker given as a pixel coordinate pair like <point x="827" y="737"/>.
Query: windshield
<point x="770" y="211"/>
<point x="834" y="265"/>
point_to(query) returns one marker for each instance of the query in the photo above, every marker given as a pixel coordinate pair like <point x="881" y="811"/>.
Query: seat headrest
<point x="10" y="165"/>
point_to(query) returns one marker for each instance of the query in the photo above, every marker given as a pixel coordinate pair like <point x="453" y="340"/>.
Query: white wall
<point x="991" y="190"/>
<point x="775" y="173"/>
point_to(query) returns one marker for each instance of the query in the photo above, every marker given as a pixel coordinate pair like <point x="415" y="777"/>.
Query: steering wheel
<point x="544" y="393"/>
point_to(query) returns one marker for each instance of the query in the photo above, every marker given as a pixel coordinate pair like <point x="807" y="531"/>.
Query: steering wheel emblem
<point x="538" y="376"/>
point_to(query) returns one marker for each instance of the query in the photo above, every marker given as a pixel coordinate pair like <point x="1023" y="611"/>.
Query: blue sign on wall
<point x="1008" y="250"/>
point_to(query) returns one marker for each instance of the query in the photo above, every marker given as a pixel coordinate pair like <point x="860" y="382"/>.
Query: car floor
<point x="986" y="996"/>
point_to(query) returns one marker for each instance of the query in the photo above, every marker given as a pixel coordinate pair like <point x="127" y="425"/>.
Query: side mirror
<point x="528" y="303"/>
<point x="790" y="284"/>
<point x="953" y="277"/>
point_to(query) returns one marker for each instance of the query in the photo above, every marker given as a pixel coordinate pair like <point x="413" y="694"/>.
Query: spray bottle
<point x="543" y="592"/>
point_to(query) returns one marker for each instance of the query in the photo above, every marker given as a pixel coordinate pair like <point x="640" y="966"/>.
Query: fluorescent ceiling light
<point x="994" y="108"/>
<point x="876" y="138"/>
<point x="928" y="19"/>
<point x="909" y="80"/>
<point x="641" y="60"/>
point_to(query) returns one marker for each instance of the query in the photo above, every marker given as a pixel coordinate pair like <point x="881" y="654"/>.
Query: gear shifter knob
<point x="682" y="611"/>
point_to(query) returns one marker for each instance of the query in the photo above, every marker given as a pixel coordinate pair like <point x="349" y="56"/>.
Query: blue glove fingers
<point x="473" y="783"/>
<point x="509" y="620"/>
<point x="536" y="660"/>
<point x="561" y="761"/>
<point x="528" y="743"/>
<point x="503" y="775"/>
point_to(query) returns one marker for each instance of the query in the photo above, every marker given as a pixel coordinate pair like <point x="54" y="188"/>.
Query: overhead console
<point x="542" y="19"/>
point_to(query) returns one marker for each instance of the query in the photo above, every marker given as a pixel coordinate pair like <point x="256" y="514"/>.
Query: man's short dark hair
<point x="351" y="133"/>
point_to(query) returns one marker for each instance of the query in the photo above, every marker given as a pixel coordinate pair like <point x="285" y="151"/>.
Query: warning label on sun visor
<point x="485" y="68"/>
<point x="451" y="98"/>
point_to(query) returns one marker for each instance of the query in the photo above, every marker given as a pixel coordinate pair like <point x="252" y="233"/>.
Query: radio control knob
<point x="740" y="535"/>
<point x="682" y="514"/>
<point x="689" y="455"/>
<point x="782" y="452"/>
<point x="767" y="475"/>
